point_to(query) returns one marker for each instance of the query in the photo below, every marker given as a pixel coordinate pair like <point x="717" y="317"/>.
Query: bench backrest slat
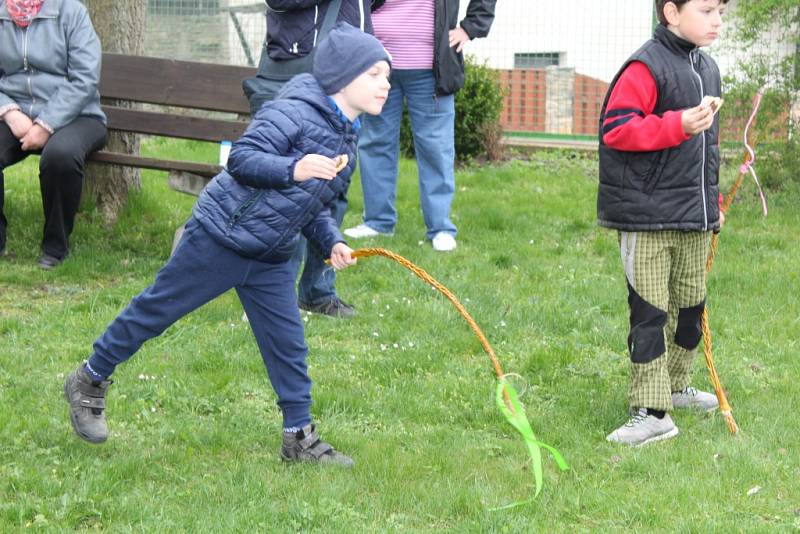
<point x="171" y="125"/>
<point x="175" y="83"/>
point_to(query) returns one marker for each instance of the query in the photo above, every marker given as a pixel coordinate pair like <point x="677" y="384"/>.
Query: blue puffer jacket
<point x="255" y="207"/>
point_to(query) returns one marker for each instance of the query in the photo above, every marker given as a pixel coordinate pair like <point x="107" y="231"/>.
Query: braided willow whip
<point x="506" y="397"/>
<point x="724" y="407"/>
<point x="744" y="169"/>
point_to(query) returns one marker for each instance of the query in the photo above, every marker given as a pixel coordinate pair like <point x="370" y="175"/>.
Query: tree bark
<point x="120" y="26"/>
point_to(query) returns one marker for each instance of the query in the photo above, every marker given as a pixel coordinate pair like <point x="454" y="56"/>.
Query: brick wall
<point x="570" y="104"/>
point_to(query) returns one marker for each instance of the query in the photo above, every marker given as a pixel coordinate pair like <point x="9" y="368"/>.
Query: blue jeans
<point x="200" y="270"/>
<point x="318" y="281"/>
<point x="432" y="123"/>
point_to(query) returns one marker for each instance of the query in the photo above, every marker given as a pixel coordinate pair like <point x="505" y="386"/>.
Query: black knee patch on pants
<point x="646" y="338"/>
<point x="689" y="330"/>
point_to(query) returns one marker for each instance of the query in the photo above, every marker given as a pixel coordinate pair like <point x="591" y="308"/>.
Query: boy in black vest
<point x="659" y="170"/>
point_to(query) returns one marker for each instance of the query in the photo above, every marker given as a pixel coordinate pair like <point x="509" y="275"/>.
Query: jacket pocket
<point x="243" y="209"/>
<point x="656" y="171"/>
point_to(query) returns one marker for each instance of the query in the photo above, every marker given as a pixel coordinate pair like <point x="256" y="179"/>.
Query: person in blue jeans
<point x="426" y="45"/>
<point x="281" y="179"/>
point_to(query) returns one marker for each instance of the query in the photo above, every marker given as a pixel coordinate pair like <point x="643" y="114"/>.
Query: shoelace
<point x="690" y="391"/>
<point x="636" y="419"/>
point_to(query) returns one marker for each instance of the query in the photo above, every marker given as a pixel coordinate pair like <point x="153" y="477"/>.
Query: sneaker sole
<point x="697" y="408"/>
<point x="666" y="435"/>
<point x="75" y="425"/>
<point x="378" y="234"/>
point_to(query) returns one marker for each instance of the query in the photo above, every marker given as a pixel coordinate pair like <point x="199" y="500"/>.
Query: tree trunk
<point x="120" y="26"/>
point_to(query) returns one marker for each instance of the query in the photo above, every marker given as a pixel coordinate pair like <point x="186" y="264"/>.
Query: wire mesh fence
<point x="555" y="59"/>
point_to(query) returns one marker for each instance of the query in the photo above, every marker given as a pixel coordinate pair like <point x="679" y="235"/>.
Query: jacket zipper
<point x="316" y="16"/>
<point x="27" y="68"/>
<point x="703" y="168"/>
<point x="361" y="14"/>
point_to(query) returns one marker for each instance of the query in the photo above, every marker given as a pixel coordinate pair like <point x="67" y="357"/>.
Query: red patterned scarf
<point x="23" y="11"/>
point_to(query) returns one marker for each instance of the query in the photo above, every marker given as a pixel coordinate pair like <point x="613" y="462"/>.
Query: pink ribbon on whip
<point x="747" y="166"/>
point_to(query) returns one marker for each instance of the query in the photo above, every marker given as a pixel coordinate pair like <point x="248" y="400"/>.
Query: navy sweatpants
<point x="198" y="271"/>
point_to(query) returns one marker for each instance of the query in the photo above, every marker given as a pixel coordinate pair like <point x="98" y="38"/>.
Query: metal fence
<point x="555" y="58"/>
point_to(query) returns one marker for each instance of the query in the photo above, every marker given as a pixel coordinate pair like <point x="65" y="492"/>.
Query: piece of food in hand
<point x="341" y="162"/>
<point x="714" y="102"/>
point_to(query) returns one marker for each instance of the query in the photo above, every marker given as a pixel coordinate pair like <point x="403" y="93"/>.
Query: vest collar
<point x="674" y="43"/>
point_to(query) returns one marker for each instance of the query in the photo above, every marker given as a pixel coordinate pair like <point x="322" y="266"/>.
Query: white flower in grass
<point x="375" y="334"/>
<point x="396" y="345"/>
<point x="753" y="490"/>
<point x="410" y="343"/>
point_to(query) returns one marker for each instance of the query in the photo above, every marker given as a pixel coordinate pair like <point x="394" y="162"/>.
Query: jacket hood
<point x="305" y="88"/>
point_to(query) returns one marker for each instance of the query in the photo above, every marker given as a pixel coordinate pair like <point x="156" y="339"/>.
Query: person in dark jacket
<point x="426" y="42"/>
<point x="281" y="180"/>
<point x="294" y="27"/>
<point x="659" y="171"/>
<point x="49" y="105"/>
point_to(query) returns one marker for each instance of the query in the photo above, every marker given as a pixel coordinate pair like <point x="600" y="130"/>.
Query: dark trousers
<point x="200" y="270"/>
<point x="318" y="281"/>
<point x="61" y="166"/>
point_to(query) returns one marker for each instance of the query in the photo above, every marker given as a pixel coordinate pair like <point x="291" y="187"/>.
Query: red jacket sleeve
<point x="629" y="122"/>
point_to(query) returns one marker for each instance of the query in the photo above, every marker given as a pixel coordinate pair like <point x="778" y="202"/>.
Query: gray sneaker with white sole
<point x="693" y="398"/>
<point x="642" y="429"/>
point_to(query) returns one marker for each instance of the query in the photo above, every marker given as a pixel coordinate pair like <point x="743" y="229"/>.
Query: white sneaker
<point x="642" y="429"/>
<point x="443" y="242"/>
<point x="692" y="398"/>
<point x="361" y="231"/>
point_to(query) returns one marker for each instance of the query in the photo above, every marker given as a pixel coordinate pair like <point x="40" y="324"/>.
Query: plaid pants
<point x="665" y="272"/>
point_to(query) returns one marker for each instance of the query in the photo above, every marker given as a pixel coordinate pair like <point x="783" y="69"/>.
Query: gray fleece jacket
<point x="51" y="69"/>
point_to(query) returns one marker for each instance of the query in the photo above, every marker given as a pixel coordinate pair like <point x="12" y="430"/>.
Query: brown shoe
<point x="87" y="404"/>
<point x="306" y="446"/>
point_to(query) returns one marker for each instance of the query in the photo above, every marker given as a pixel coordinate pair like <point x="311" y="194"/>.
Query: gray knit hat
<point x="344" y="55"/>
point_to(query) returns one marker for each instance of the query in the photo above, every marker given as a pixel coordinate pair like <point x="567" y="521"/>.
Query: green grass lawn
<point x="404" y="387"/>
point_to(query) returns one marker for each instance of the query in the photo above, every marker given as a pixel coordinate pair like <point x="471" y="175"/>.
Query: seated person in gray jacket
<point x="281" y="180"/>
<point x="49" y="105"/>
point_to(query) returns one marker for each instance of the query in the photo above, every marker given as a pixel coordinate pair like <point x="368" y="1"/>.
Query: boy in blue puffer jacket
<point x="281" y="180"/>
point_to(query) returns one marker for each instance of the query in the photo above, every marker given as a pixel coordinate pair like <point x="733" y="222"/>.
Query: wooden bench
<point x="175" y="84"/>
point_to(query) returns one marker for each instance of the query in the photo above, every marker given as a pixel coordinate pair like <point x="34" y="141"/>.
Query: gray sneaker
<point x="87" y="405"/>
<point x="693" y="398"/>
<point x="306" y="446"/>
<point x="642" y="429"/>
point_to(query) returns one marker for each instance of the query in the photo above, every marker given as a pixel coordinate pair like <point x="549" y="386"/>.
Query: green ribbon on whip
<point x="516" y="416"/>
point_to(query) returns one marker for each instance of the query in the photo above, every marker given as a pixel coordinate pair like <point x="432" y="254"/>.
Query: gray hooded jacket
<point x="51" y="69"/>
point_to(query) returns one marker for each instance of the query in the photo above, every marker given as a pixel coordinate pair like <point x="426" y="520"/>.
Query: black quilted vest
<point x="676" y="188"/>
